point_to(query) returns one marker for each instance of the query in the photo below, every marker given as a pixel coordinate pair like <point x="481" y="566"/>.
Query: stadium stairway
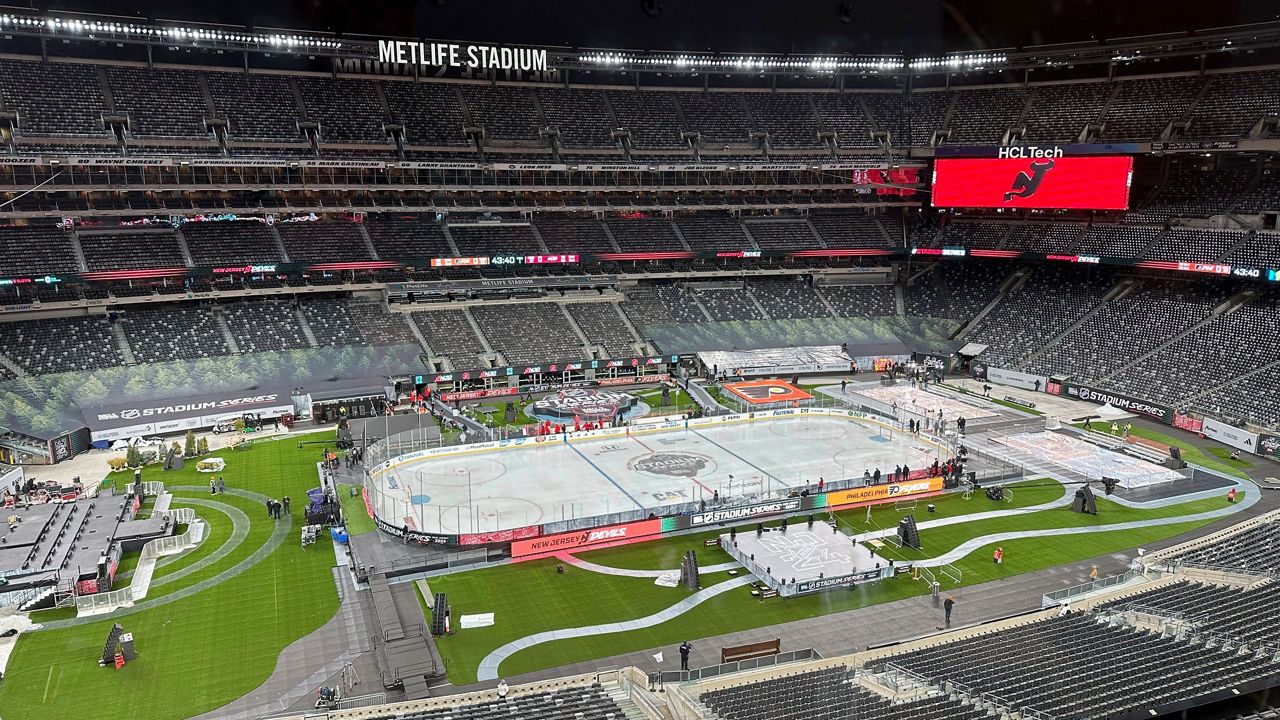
<point x="1123" y="288"/>
<point x="14" y="368"/>
<point x="648" y="347"/>
<point x="629" y="710"/>
<point x="122" y="341"/>
<point x="1011" y="283"/>
<point x="368" y="241"/>
<point x="417" y="333"/>
<point x="756" y="301"/>
<point x="1245" y="238"/>
<point x="537" y="235"/>
<point x="703" y="308"/>
<point x="613" y="241"/>
<point x="1227" y="306"/>
<point x="279" y="241"/>
<point x="822" y="298"/>
<point x="576" y="328"/>
<point x="1229" y="383"/>
<point x="220" y="318"/>
<point x="475" y="328"/>
<point x="675" y="227"/>
<point x="305" y="326"/>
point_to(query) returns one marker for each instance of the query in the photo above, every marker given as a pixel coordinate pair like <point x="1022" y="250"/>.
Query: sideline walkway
<point x="309" y="662"/>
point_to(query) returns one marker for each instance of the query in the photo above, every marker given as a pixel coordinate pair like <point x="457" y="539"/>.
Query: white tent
<point x="1111" y="412"/>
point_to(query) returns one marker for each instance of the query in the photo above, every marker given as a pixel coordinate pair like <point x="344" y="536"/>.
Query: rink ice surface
<point x="554" y="481"/>
<point x="805" y="552"/>
<point x="920" y="402"/>
<point x="1088" y="459"/>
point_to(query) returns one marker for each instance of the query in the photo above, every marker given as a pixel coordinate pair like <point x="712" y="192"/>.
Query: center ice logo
<point x="672" y="464"/>
<point x="762" y="393"/>
<point x="583" y="403"/>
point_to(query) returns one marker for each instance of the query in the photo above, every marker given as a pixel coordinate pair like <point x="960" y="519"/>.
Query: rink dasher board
<point x="630" y="431"/>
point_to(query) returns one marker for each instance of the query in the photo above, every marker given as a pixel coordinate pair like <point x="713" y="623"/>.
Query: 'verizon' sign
<point x="476" y="57"/>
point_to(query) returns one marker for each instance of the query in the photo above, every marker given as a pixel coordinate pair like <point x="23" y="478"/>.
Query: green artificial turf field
<point x="205" y="650"/>
<point x="217" y="531"/>
<point x="535" y="598"/>
<point x="354" y="512"/>
<point x="737" y="610"/>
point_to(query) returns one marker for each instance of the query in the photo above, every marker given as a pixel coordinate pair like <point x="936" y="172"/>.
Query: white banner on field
<point x="1014" y="378"/>
<point x="475" y="621"/>
<point x="1230" y="435"/>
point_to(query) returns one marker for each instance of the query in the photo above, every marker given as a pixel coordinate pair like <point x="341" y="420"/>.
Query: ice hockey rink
<point x="551" y="481"/>
<point x="1088" y="459"/>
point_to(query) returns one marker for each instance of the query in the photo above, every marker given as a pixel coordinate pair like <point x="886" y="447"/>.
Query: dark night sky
<point x="913" y="26"/>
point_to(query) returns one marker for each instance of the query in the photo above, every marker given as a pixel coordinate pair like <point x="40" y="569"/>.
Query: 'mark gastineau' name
<point x="483" y="57"/>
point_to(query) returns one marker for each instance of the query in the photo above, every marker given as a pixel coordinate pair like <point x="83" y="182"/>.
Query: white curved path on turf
<point x="488" y="669"/>
<point x="626" y="572"/>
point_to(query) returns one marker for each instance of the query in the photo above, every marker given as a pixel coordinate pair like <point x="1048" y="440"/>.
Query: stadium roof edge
<point x="223" y="37"/>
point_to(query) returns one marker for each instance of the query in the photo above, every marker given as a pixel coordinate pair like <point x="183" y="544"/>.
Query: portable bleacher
<point x="440" y="615"/>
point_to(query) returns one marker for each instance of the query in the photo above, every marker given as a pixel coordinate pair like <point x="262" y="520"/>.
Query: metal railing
<point x="1057" y="597"/>
<point x="895" y="671"/>
<point x="993" y="700"/>
<point x="362" y="701"/>
<point x="1033" y="714"/>
<point x="955" y="574"/>
<point x="140" y="583"/>
<point x="712" y="671"/>
<point x="1224" y="570"/>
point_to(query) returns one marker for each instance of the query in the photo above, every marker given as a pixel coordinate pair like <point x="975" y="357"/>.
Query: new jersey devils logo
<point x="1026" y="184"/>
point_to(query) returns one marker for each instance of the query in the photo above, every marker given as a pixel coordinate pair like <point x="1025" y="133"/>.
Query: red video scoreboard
<point x="1044" y="183"/>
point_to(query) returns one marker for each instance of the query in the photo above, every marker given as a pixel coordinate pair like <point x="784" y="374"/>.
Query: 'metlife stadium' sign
<point x="476" y="57"/>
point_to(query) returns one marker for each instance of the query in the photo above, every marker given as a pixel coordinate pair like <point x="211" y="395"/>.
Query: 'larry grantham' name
<point x="485" y="57"/>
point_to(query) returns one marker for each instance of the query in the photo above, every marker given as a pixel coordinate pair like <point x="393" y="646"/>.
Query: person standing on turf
<point x="947" y="605"/>
<point x="286" y="505"/>
<point x="270" y="502"/>
<point x="685" y="648"/>
<point x="222" y="485"/>
<point x="213" y="488"/>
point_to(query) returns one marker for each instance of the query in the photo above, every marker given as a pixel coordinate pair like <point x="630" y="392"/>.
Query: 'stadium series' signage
<point x="711" y="517"/>
<point x="1124" y="402"/>
<point x="402" y="531"/>
<point x="1269" y="446"/>
<point x="475" y="57"/>
<point x="820" y="584"/>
